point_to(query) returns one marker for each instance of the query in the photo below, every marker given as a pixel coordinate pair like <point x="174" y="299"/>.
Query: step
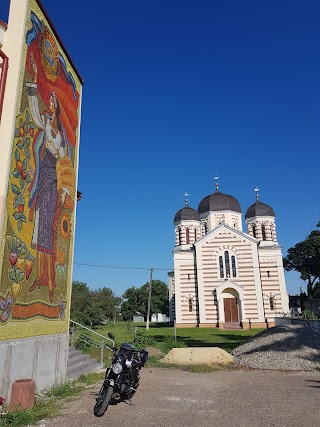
<point x="231" y="325"/>
<point x="79" y="358"/>
<point x="73" y="352"/>
<point x="76" y="373"/>
<point x="80" y="363"/>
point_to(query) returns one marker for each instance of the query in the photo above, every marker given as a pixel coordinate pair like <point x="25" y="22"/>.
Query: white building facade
<point x="224" y="277"/>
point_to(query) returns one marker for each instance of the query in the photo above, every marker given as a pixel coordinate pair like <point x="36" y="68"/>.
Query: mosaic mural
<point x="36" y="272"/>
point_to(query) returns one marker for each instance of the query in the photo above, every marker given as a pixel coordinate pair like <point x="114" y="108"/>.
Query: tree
<point x="159" y="296"/>
<point x="80" y="298"/>
<point x="107" y="301"/>
<point x="136" y="300"/>
<point x="133" y="302"/>
<point x="92" y="307"/>
<point x="304" y="258"/>
<point x="91" y="316"/>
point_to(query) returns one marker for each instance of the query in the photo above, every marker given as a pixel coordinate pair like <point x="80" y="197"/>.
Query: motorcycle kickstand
<point x="129" y="398"/>
<point x="128" y="401"/>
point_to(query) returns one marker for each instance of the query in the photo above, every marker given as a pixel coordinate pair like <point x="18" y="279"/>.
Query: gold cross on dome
<point x="257" y="192"/>
<point x="217" y="183"/>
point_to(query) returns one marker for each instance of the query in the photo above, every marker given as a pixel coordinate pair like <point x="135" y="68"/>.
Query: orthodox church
<point x="224" y="277"/>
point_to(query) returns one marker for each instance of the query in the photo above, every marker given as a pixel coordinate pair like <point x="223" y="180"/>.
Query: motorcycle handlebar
<point x="111" y="347"/>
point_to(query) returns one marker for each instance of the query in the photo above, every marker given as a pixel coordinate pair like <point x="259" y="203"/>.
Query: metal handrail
<point x="99" y="343"/>
<point x="89" y="340"/>
<point x="94" y="332"/>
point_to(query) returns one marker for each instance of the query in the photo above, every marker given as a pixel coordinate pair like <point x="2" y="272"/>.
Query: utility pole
<point x="149" y="299"/>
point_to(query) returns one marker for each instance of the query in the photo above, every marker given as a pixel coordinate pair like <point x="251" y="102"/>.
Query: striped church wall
<point x="188" y="289"/>
<point x="245" y="275"/>
<point x="270" y="286"/>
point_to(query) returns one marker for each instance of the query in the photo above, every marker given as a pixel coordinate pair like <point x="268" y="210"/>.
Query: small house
<point x="138" y="317"/>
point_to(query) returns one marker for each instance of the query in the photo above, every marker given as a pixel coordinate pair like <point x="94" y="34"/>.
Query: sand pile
<point x="198" y="356"/>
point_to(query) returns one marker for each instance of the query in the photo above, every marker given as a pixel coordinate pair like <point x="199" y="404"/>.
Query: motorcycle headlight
<point x="117" y="368"/>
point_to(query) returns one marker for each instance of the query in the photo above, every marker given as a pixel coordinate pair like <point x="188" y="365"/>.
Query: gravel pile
<point x="286" y="347"/>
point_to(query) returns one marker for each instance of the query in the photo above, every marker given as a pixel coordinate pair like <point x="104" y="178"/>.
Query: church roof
<point x="186" y="214"/>
<point x="218" y="229"/>
<point x="219" y="202"/>
<point x="259" y="209"/>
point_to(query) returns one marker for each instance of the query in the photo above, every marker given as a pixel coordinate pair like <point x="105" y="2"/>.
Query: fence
<point x="312" y="305"/>
<point x="314" y="324"/>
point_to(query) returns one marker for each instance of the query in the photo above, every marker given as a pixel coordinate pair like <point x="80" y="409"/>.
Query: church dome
<point x="219" y="202"/>
<point x="259" y="209"/>
<point x="186" y="214"/>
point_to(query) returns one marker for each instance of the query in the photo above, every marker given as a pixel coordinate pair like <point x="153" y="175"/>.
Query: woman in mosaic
<point x="48" y="191"/>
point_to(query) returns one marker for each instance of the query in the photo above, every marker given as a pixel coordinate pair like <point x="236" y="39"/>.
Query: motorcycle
<point x="122" y="377"/>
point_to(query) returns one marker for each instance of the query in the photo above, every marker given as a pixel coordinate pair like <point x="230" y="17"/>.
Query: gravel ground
<point x="286" y="347"/>
<point x="174" y="398"/>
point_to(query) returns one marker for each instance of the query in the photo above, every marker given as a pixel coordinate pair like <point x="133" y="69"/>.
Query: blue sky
<point x="175" y="92"/>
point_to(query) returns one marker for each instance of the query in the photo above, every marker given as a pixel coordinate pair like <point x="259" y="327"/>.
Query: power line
<point x="120" y="267"/>
<point x="126" y="267"/>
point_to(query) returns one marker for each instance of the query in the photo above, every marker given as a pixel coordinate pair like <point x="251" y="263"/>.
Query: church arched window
<point x="254" y="231"/>
<point x="227" y="263"/>
<point x="233" y="264"/>
<point x="179" y="235"/>
<point x="187" y="236"/>
<point x="271" y="301"/>
<point x="221" y="266"/>
<point x="263" y="231"/>
<point x="190" y="305"/>
<point x="225" y="267"/>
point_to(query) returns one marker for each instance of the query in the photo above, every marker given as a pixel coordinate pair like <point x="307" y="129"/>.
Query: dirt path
<point x="226" y="398"/>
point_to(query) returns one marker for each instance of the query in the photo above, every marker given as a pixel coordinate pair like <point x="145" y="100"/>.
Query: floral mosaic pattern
<point x="23" y="173"/>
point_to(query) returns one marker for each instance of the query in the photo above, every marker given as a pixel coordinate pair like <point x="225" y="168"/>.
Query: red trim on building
<point x="3" y="79"/>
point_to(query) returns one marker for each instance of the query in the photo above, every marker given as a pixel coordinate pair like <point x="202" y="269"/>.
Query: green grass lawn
<point x="162" y="336"/>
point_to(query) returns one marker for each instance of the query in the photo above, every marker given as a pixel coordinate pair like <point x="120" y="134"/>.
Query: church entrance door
<point x="231" y="313"/>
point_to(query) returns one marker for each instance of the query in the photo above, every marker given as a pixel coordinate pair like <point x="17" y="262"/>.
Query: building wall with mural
<point x="38" y="218"/>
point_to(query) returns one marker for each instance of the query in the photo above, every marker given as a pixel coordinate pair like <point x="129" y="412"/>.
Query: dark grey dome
<point x="259" y="209"/>
<point x="186" y="214"/>
<point x="219" y="202"/>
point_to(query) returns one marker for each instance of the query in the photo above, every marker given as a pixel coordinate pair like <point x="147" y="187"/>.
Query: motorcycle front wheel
<point x="103" y="400"/>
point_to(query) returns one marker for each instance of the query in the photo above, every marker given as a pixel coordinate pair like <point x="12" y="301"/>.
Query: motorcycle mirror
<point x="110" y="335"/>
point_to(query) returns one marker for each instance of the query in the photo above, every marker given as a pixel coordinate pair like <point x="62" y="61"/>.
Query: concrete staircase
<point x="231" y="325"/>
<point x="80" y="363"/>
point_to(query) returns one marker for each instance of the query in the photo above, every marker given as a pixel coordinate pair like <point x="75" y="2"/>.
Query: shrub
<point x="141" y="339"/>
<point x="310" y="315"/>
<point x="83" y="342"/>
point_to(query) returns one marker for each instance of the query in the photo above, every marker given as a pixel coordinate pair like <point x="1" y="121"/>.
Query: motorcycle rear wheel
<point x="103" y="401"/>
